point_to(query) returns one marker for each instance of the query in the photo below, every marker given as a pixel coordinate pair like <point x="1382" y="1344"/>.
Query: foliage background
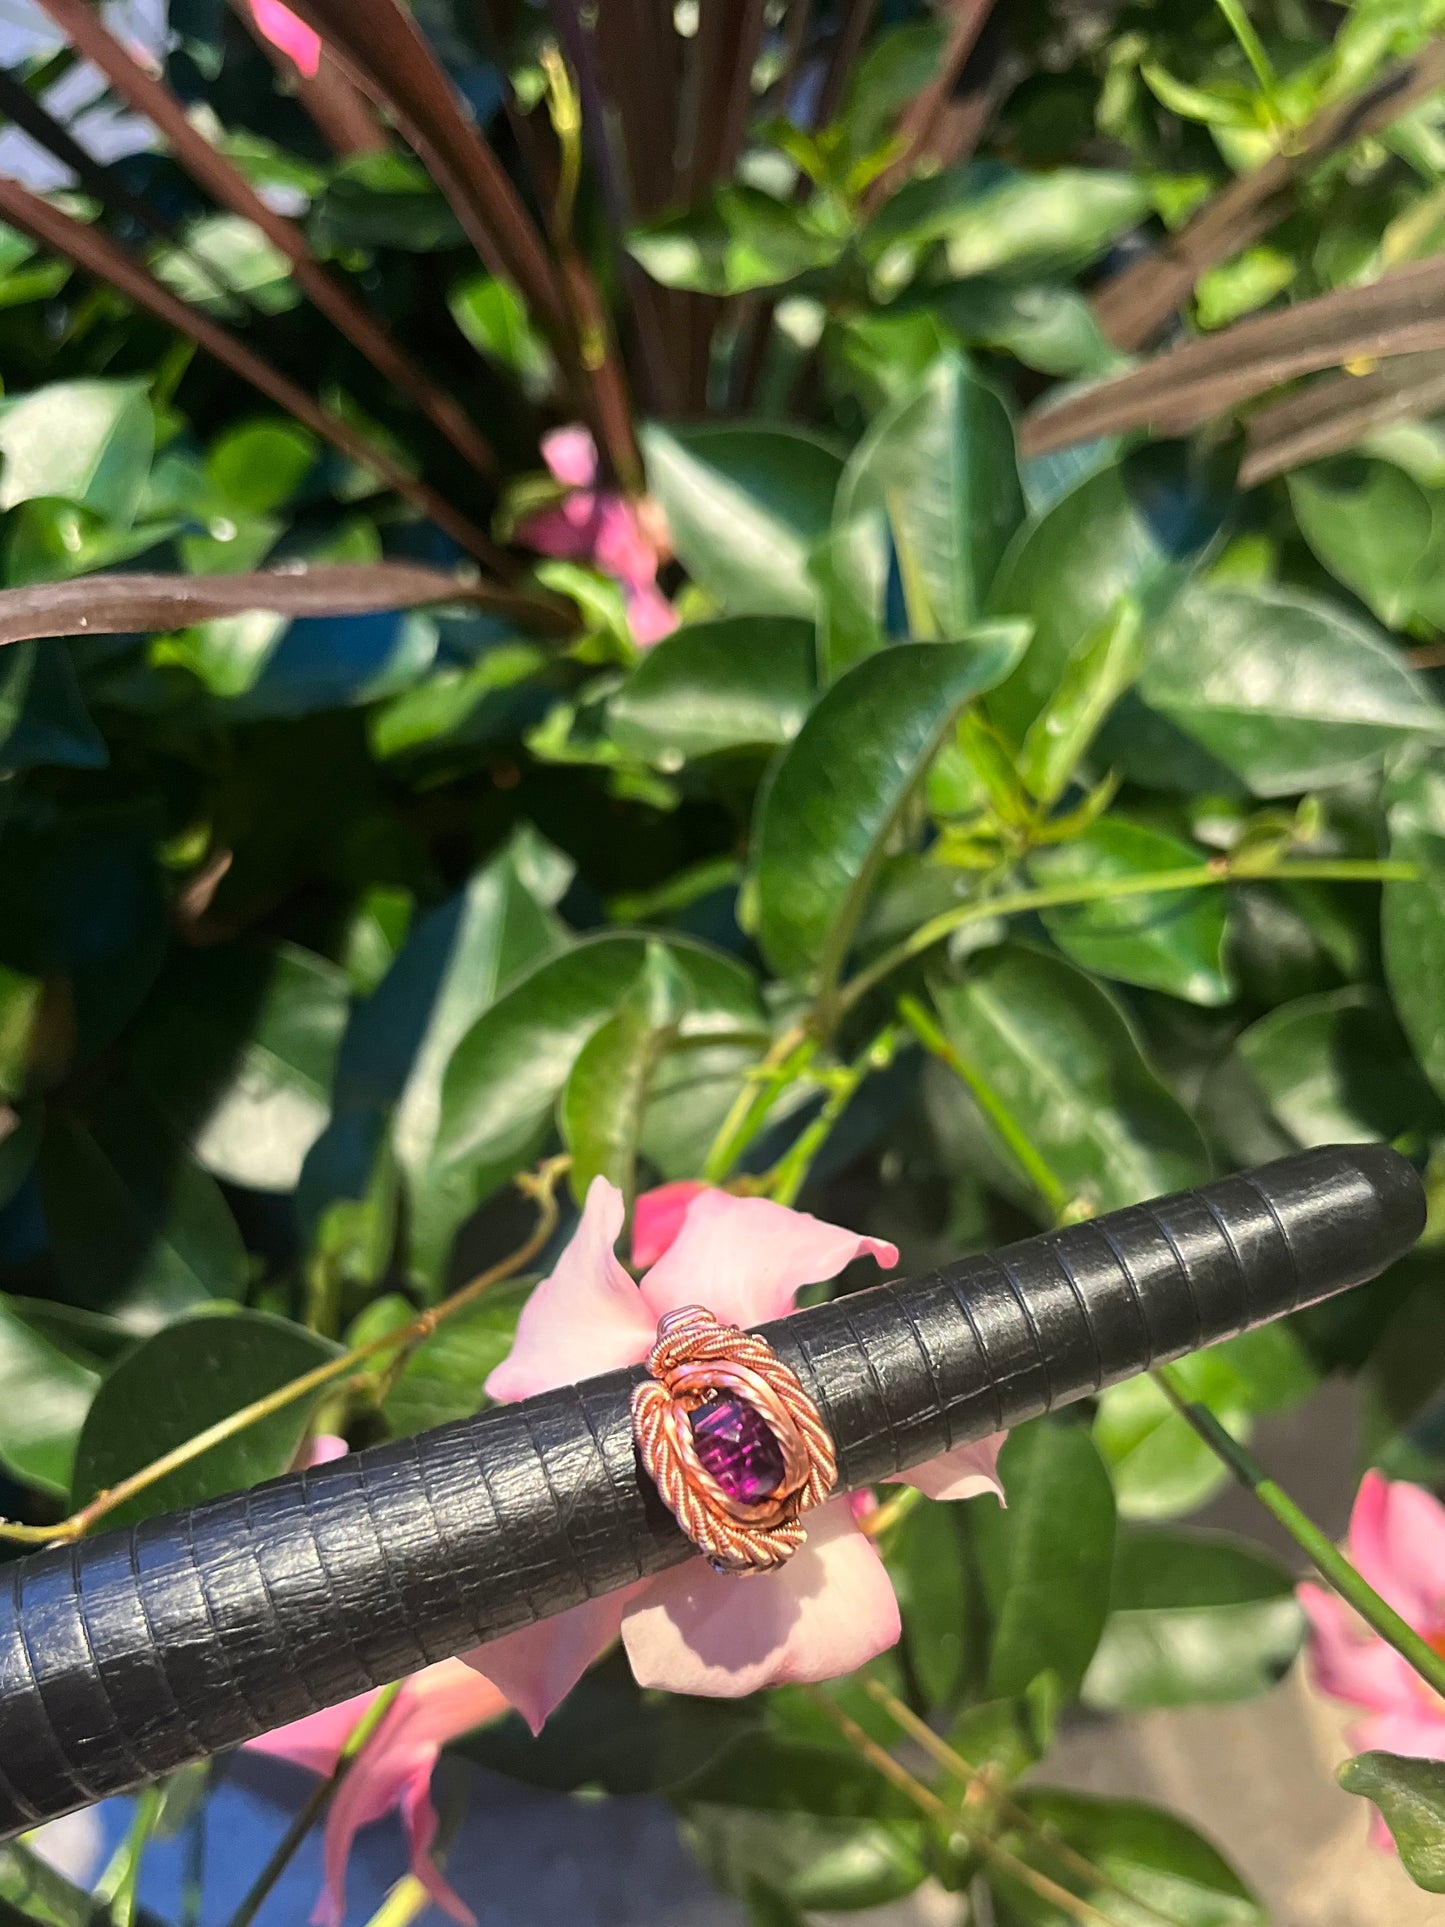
<point x="317" y="930"/>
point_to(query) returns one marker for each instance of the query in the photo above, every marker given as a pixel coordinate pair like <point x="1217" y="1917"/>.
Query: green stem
<point x="1322" y="1551"/>
<point x="1242" y="27"/>
<point x="1054" y="1193"/>
<point x="306" y="1818"/>
<point x="787" y="1059"/>
<point x="1052" y="896"/>
<point x="791" y="1171"/>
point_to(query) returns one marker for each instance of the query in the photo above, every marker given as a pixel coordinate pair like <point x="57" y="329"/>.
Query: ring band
<point x="734" y="1445"/>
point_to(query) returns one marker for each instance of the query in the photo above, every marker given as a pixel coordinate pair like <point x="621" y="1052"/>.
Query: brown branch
<point x="1402" y="313"/>
<point x="1135" y="303"/>
<point x="919" y="122"/>
<point x="117" y="605"/>
<point x="341" y="112"/>
<point x="227" y="185"/>
<point x="100" y="256"/>
<point x="1338" y="411"/>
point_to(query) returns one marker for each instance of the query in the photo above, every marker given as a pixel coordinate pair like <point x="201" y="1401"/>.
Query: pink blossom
<point x="1397" y="1544"/>
<point x="623" y="539"/>
<point x="294" y="38"/>
<point x="831" y="1608"/>
<point x="432" y="1708"/>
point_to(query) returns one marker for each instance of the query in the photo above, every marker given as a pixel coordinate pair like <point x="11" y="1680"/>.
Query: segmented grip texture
<point x="129" y="1654"/>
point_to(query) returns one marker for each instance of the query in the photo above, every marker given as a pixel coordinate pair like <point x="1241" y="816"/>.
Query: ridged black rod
<point x="130" y="1654"/>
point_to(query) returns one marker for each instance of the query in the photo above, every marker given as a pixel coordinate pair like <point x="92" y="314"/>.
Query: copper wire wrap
<point x="694" y="1359"/>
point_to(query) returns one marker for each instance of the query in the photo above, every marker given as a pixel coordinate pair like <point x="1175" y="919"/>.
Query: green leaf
<point x="989" y="216"/>
<point x="442" y="1379"/>
<point x="45" y="1394"/>
<point x="1136" y="528"/>
<point x="506" y="1074"/>
<point x="813" y="1860"/>
<point x="49" y="540"/>
<point x="941" y="467"/>
<point x="1411" y="1795"/>
<point x="239" y="1045"/>
<point x="1046" y="1560"/>
<point x="604" y="1103"/>
<point x="179" y="1382"/>
<point x="1160" y="1466"/>
<point x="1043" y="324"/>
<point x="1413" y="914"/>
<point x="87" y="441"/>
<point x="746" y="508"/>
<point x="1172" y="941"/>
<point x="43" y="718"/>
<point x="836" y="796"/>
<point x="224" y="256"/>
<point x="494" y="319"/>
<point x="1234" y="288"/>
<point x="1286" y="692"/>
<point x="742" y="682"/>
<point x="1059" y="1055"/>
<point x="258" y="465"/>
<point x="43" y="1896"/>
<point x="740" y="240"/>
<point x="1100" y="667"/>
<point x="1334" y="1069"/>
<point x="1174" y="1873"/>
<point x="137" y="1228"/>
<point x="382" y="200"/>
<point x="1194" y="1618"/>
<point x="1372" y="526"/>
<point x="929" y="1568"/>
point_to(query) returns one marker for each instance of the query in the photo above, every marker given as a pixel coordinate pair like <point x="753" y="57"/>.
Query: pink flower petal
<point x="294" y="38"/>
<point x="830" y="1609"/>
<point x="1397" y="1540"/>
<point x="571" y="454"/>
<point x="567" y="529"/>
<point x="650" y="616"/>
<point x="657" y="1218"/>
<point x="322" y="1450"/>
<point x="1416" y="1735"/>
<point x="586" y="1318"/>
<point x="1348" y="1661"/>
<point x="537" y="1667"/>
<point x="746" y="1259"/>
<point x="419" y="1817"/>
<point x="316" y="1741"/>
<point x="621" y="548"/>
<point x="963" y="1473"/>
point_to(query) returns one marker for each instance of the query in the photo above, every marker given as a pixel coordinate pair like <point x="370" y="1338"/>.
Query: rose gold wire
<point x="693" y="1359"/>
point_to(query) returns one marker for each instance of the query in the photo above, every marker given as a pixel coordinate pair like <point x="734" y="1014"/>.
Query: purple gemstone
<point x="736" y="1447"/>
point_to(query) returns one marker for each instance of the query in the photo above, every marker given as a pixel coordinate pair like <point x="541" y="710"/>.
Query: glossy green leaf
<point x="504" y="1078"/>
<point x="137" y="1227"/>
<point x="443" y="1378"/>
<point x="1100" y="667"/>
<point x="45" y="1393"/>
<point x="1043" y="324"/>
<point x="382" y="200"/>
<point x="1413" y="914"/>
<point x="1283" y="691"/>
<point x="239" y="1046"/>
<point x="989" y="216"/>
<point x="740" y="240"/>
<point x="836" y="796"/>
<point x="259" y="465"/>
<point x="941" y="468"/>
<point x="746" y="508"/>
<point x="814" y="1860"/>
<point x="50" y="540"/>
<point x="1060" y="1057"/>
<point x="494" y="320"/>
<point x="1175" y="1874"/>
<point x="604" y="1103"/>
<point x="225" y="257"/>
<point x="1411" y="1795"/>
<point x="179" y="1382"/>
<point x="743" y="682"/>
<point x="43" y="718"/>
<point x="1194" y="1618"/>
<point x="1371" y="524"/>
<point x="89" y="442"/>
<point x="928" y="1562"/>
<point x="1046" y="1559"/>
<point x="1136" y="528"/>
<point x="1172" y="941"/>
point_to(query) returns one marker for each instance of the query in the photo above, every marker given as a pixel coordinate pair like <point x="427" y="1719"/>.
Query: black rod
<point x="127" y="1655"/>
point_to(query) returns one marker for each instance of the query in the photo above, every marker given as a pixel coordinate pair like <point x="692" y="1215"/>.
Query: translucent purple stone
<point x="736" y="1447"/>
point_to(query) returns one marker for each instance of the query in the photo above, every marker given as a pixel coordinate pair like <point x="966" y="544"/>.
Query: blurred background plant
<point x="946" y="734"/>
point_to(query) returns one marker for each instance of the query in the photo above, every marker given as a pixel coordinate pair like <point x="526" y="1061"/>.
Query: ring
<point x="732" y="1442"/>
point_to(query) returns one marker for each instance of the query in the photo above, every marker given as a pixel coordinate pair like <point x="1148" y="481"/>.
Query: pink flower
<point x="623" y="539"/>
<point x="432" y="1708"/>
<point x="831" y="1608"/>
<point x="1397" y="1544"/>
<point x="295" y="39"/>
